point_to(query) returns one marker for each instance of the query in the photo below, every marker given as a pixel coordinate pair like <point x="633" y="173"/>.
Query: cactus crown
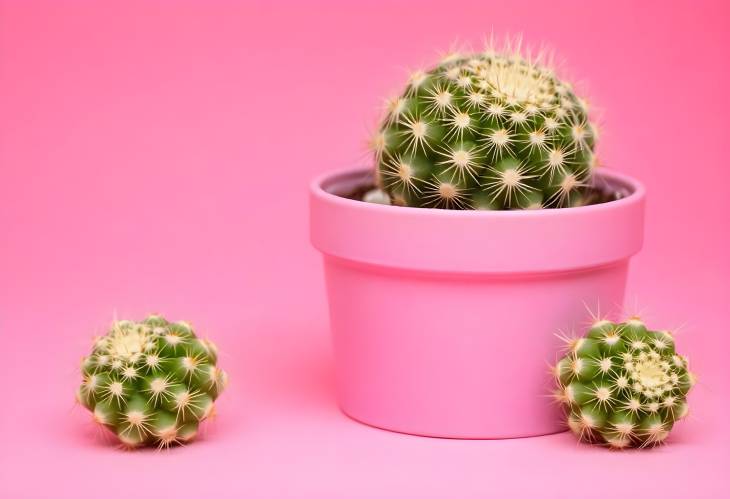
<point x="623" y="385"/>
<point x="488" y="130"/>
<point x="151" y="382"/>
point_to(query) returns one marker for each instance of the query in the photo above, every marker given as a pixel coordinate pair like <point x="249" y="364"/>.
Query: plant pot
<point x="444" y="322"/>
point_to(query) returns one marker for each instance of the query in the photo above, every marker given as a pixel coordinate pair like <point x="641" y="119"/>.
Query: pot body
<point x="445" y="323"/>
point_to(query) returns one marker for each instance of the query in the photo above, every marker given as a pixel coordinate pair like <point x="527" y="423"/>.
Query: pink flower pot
<point x="444" y="322"/>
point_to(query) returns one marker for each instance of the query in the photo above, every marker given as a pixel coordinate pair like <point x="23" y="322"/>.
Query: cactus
<point x="152" y="382"/>
<point x="623" y="385"/>
<point x="490" y="130"/>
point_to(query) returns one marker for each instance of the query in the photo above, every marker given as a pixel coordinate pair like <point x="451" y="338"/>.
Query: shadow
<point x="286" y="362"/>
<point x="276" y="366"/>
<point x="83" y="429"/>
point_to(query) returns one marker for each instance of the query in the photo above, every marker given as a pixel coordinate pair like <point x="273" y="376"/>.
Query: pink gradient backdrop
<point x="155" y="156"/>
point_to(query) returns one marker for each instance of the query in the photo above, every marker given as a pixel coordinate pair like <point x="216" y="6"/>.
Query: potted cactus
<point x="492" y="230"/>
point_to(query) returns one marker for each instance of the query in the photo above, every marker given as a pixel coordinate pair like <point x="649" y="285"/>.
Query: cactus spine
<point x="623" y="385"/>
<point x="151" y="383"/>
<point x="485" y="131"/>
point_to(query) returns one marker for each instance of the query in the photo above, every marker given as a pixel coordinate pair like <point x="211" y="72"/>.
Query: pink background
<point x="155" y="157"/>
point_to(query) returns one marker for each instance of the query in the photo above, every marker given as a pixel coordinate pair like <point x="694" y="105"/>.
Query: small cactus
<point x="491" y="130"/>
<point x="152" y="382"/>
<point x="623" y="385"/>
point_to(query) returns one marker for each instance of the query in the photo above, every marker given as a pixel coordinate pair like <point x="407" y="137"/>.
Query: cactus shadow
<point x="82" y="430"/>
<point x="275" y="366"/>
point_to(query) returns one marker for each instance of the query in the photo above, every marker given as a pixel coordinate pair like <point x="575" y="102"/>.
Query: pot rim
<point x="318" y="188"/>
<point x="472" y="241"/>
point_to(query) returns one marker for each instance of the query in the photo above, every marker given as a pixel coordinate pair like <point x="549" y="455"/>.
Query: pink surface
<point x="429" y="309"/>
<point x="157" y="156"/>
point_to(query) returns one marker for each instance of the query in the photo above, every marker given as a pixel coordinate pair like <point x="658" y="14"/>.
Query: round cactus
<point x="152" y="382"/>
<point x="623" y="385"/>
<point x="485" y="131"/>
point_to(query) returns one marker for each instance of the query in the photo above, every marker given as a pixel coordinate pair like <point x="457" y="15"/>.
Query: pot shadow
<point x="283" y="363"/>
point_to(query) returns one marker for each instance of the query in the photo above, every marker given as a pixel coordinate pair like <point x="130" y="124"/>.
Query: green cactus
<point x="485" y="131"/>
<point x="152" y="382"/>
<point x="623" y="385"/>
